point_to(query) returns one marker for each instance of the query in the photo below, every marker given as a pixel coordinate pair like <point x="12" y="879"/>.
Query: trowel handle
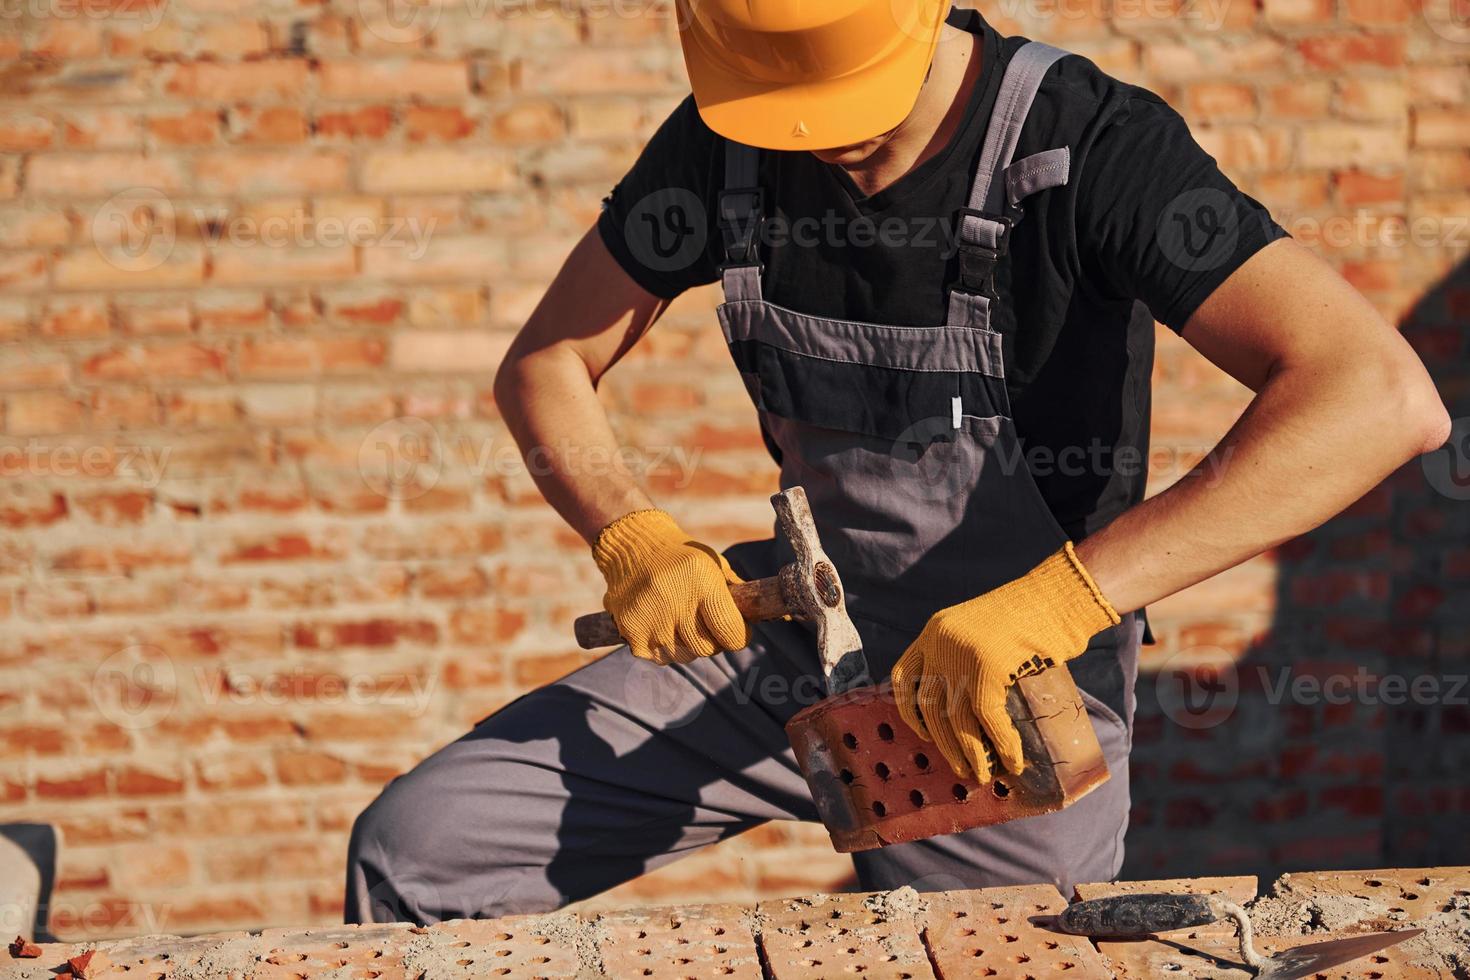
<point x="1137" y="915"/>
<point x="757" y="601"/>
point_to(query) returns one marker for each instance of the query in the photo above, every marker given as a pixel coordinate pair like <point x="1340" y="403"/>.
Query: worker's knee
<point x="385" y="865"/>
<point x="425" y="851"/>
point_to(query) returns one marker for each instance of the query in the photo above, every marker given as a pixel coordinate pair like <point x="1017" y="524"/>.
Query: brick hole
<point x="1410" y="896"/>
<point x="1011" y="939"/>
<point x="883" y="771"/>
<point x="340" y="945"/>
<point x="504" y="937"/>
<point x="502" y="952"/>
<point x="1380" y="958"/>
<point x="967" y="932"/>
<point x="1373" y="883"/>
<point x="960" y="792"/>
<point x="504" y="971"/>
<point x="849" y="740"/>
<point x="1051" y="945"/>
<point x="1000" y="789"/>
<point x="463" y="943"/>
<point x="465" y="962"/>
<point x="916" y="797"/>
<point x="541" y="940"/>
<point x="1020" y="958"/>
<point x="921" y="760"/>
<point x="885" y="731"/>
<point x="977" y="952"/>
<point x="1066" y="965"/>
<point x="879" y="809"/>
<point x="846" y="776"/>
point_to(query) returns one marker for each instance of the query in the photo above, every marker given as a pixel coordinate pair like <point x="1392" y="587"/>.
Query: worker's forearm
<point x="1306" y="448"/>
<point x="551" y="408"/>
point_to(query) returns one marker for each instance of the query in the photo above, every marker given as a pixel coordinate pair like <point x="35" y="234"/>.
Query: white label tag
<point x="956" y="409"/>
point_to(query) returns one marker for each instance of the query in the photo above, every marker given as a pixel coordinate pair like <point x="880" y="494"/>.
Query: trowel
<point x="1137" y="916"/>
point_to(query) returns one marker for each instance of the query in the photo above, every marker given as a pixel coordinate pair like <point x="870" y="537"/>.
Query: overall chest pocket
<point x="886" y="381"/>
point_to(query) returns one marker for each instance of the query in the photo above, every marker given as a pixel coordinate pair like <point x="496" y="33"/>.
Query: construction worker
<point x="932" y="242"/>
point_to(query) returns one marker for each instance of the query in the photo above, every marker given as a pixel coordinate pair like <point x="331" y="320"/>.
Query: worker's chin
<point x="853" y="153"/>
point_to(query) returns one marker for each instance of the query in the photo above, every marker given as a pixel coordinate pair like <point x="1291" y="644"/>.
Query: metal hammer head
<point x="811" y="587"/>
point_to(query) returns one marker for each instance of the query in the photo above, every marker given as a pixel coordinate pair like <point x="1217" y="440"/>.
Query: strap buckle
<point x="741" y="215"/>
<point x="977" y="262"/>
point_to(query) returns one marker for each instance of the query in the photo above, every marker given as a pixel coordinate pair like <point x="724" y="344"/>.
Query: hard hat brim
<point x="810" y="115"/>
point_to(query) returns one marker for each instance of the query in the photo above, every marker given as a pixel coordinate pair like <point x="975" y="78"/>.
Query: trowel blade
<point x="1304" y="961"/>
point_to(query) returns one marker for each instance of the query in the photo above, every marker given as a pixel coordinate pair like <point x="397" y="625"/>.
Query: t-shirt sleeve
<point x="658" y="221"/>
<point x="1156" y="219"/>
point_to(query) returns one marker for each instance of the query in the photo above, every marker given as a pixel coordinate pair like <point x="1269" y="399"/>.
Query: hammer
<point x="807" y="589"/>
<point x="873" y="780"/>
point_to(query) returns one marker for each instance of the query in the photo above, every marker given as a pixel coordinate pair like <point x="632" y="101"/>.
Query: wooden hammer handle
<point x="757" y="601"/>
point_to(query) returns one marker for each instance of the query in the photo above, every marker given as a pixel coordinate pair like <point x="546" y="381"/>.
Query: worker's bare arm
<point x="1341" y="401"/>
<point x="591" y="316"/>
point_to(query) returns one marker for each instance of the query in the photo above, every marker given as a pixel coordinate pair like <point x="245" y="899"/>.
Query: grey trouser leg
<point x="610" y="772"/>
<point x="624" y="766"/>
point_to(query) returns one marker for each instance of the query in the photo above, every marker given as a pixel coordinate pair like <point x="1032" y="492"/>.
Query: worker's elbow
<point x="1435" y="424"/>
<point x="507" y="384"/>
<point x="1420" y="417"/>
<point x="507" y="375"/>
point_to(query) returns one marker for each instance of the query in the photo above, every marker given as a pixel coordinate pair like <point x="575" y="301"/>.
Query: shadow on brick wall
<point x="1342" y="738"/>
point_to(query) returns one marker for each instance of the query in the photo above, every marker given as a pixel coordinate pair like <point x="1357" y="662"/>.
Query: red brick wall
<point x="263" y="542"/>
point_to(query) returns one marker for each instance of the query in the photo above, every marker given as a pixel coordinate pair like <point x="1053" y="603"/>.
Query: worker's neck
<point x="937" y="114"/>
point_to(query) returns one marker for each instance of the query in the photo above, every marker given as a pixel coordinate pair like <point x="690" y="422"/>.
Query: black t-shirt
<point x="1146" y="216"/>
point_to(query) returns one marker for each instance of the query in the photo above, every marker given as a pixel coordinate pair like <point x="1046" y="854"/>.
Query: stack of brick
<point x="901" y="935"/>
<point x="265" y="541"/>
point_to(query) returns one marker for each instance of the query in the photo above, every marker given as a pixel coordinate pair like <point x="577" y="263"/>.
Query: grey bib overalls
<point x="903" y="439"/>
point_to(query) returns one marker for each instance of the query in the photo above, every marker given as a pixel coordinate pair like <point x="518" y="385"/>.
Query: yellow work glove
<point x="669" y="594"/>
<point x="951" y="682"/>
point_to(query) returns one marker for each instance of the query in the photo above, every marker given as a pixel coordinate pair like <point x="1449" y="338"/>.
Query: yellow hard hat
<point x="807" y="74"/>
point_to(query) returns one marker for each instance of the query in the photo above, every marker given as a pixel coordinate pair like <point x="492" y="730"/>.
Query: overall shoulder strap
<point x="741" y="211"/>
<point x="984" y="223"/>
